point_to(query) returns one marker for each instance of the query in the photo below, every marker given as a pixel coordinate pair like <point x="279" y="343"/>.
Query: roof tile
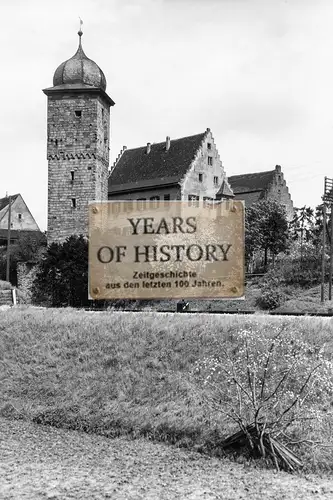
<point x="4" y="201"/>
<point x="245" y="183"/>
<point x="136" y="166"/>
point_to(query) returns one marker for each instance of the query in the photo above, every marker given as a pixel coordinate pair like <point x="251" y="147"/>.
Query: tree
<point x="302" y="227"/>
<point x="27" y="247"/>
<point x="266" y="229"/>
<point x="62" y="279"/>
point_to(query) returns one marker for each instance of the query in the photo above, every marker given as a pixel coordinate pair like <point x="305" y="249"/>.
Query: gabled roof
<point x="4" y="201"/>
<point x="136" y="167"/>
<point x="224" y="191"/>
<point x="246" y="183"/>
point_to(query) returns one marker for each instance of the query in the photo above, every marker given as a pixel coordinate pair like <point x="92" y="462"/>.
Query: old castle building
<point x="78" y="138"/>
<point x="189" y="168"/>
<point x="268" y="185"/>
<point x="78" y="145"/>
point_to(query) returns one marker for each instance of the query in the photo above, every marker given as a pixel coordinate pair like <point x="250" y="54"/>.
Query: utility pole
<point x="322" y="297"/>
<point x="8" y="237"/>
<point x="327" y="200"/>
<point x="331" y="256"/>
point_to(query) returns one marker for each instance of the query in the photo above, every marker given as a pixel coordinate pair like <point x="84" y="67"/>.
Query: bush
<point x="273" y="387"/>
<point x="62" y="279"/>
<point x="301" y="266"/>
<point x="270" y="298"/>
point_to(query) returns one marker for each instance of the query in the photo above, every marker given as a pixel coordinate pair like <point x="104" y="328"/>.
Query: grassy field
<point x="296" y="300"/>
<point x="128" y="374"/>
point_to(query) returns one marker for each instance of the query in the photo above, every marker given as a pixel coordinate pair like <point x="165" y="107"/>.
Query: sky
<point x="258" y="73"/>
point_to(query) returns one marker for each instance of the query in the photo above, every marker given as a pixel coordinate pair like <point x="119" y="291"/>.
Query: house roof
<point x="251" y="197"/>
<point x="4" y="201"/>
<point x="15" y="234"/>
<point x="246" y="183"/>
<point x="224" y="191"/>
<point x="160" y="166"/>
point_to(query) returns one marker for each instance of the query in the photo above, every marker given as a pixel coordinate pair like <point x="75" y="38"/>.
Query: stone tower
<point x="78" y="144"/>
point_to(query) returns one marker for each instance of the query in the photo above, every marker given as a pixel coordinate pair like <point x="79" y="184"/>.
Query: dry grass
<point x="126" y="373"/>
<point x="307" y="301"/>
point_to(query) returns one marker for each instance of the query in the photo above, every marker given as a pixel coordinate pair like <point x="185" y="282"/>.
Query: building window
<point x="200" y="177"/>
<point x="141" y="203"/>
<point x="209" y="146"/>
<point x="78" y="113"/>
<point x="208" y="198"/>
<point x="73" y="202"/>
<point x="72" y="175"/>
<point x="216" y="179"/>
<point x="193" y="199"/>
<point x="166" y="197"/>
<point x="210" y="160"/>
<point x="155" y="200"/>
<point x="19" y="217"/>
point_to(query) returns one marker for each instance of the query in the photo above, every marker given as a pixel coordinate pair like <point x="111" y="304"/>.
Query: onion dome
<point x="79" y="69"/>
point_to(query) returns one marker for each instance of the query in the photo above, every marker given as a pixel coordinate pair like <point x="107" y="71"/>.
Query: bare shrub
<point x="268" y="384"/>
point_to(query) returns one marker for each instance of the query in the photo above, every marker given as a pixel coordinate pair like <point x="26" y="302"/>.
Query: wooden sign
<point x="166" y="249"/>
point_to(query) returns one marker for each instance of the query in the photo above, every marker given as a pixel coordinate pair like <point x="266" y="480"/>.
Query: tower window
<point x="73" y="202"/>
<point x="72" y="175"/>
<point x="210" y="160"/>
<point x="209" y="146"/>
<point x="200" y="177"/>
<point x="78" y="113"/>
<point x="216" y="179"/>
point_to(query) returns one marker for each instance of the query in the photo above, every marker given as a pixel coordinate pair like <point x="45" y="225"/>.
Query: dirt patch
<point x="43" y="462"/>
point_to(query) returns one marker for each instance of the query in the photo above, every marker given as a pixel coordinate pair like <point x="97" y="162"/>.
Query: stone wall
<point x="26" y="273"/>
<point x="6" y="297"/>
<point x="78" y="160"/>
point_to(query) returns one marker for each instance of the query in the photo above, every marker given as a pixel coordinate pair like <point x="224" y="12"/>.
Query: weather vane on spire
<point x="80" y="33"/>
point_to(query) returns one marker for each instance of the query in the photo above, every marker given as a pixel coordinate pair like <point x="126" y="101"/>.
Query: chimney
<point x="148" y="148"/>
<point x="167" y="143"/>
<point x="278" y="169"/>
